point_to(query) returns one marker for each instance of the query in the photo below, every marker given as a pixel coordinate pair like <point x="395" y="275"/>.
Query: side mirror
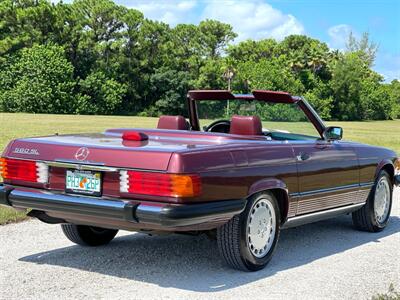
<point x="333" y="133"/>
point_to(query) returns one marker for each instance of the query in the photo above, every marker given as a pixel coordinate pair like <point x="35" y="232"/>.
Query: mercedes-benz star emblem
<point x="82" y="153"/>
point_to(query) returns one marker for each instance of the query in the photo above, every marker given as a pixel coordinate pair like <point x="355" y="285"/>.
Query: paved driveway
<point x="327" y="259"/>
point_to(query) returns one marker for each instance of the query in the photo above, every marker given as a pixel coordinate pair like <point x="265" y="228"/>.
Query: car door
<point x="328" y="175"/>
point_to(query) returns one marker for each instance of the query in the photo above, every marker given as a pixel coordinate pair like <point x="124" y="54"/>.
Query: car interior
<point x="238" y="125"/>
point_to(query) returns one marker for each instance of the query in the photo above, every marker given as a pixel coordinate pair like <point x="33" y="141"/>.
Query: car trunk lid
<point x="109" y="149"/>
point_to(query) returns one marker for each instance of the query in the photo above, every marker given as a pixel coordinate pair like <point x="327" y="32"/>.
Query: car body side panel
<point x="328" y="175"/>
<point x="239" y="173"/>
<point x="371" y="160"/>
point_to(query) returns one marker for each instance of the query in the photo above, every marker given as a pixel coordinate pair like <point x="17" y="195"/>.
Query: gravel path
<point x="318" y="261"/>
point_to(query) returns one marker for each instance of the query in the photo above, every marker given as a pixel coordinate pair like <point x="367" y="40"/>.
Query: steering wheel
<point x="222" y="126"/>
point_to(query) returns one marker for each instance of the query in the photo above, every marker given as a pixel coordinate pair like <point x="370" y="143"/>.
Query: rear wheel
<point x="374" y="215"/>
<point x="248" y="241"/>
<point x="88" y="235"/>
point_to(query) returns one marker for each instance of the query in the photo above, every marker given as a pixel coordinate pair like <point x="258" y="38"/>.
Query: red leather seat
<point x="246" y="125"/>
<point x="172" y="122"/>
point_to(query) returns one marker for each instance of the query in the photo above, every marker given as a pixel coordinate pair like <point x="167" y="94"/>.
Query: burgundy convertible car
<point x="270" y="164"/>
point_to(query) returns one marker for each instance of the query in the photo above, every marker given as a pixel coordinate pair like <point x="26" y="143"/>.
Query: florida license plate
<point x="83" y="182"/>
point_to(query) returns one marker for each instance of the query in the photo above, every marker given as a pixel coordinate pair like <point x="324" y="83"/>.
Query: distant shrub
<point x="37" y="80"/>
<point x="99" y="94"/>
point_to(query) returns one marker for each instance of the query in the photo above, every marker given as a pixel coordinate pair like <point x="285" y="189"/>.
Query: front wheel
<point x="374" y="215"/>
<point x="88" y="235"/>
<point x="248" y="241"/>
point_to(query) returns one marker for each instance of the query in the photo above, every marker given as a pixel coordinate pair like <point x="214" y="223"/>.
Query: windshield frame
<point x="264" y="96"/>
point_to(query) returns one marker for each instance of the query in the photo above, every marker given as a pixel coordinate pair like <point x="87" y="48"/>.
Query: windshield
<point x="275" y="117"/>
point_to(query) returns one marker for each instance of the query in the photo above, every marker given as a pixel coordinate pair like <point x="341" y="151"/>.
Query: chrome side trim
<point x="367" y="184"/>
<point x="321" y="215"/>
<point x="292" y="210"/>
<point x="332" y="189"/>
<point x="327" y="202"/>
<point x="74" y="164"/>
<point x="363" y="194"/>
<point x="78" y="165"/>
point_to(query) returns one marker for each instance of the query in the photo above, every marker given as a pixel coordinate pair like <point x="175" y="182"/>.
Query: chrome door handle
<point x="302" y="156"/>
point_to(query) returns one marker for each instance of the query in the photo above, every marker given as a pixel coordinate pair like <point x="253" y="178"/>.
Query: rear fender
<point x="7" y="148"/>
<point x="278" y="187"/>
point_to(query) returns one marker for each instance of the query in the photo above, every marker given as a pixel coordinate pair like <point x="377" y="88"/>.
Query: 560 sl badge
<point x="26" y="151"/>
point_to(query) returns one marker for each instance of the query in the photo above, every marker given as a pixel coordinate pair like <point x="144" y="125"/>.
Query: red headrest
<point x="172" y="122"/>
<point x="246" y="125"/>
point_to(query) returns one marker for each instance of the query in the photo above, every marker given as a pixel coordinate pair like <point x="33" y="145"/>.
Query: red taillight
<point x="160" y="184"/>
<point x="24" y="170"/>
<point x="3" y="167"/>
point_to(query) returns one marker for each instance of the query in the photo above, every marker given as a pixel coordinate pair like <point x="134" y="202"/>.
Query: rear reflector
<point x="24" y="170"/>
<point x="160" y="184"/>
<point x="42" y="172"/>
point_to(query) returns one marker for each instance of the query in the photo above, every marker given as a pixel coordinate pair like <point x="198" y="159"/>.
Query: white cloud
<point x="250" y="19"/>
<point x="171" y="12"/>
<point x="253" y="19"/>
<point x="339" y="35"/>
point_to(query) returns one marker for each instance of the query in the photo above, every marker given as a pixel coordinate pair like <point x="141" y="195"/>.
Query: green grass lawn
<point x="381" y="133"/>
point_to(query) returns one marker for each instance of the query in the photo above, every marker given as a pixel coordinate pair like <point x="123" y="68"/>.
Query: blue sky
<point x="330" y="21"/>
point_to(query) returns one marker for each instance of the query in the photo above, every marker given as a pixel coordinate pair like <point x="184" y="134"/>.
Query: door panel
<point x="328" y="175"/>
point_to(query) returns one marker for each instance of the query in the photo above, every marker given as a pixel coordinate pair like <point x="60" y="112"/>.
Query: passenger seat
<point x="246" y="125"/>
<point x="173" y="123"/>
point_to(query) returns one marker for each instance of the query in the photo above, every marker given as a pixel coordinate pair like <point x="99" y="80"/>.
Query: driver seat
<point x="246" y="125"/>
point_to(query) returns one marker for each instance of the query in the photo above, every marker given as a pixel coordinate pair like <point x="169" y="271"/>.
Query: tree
<point x="23" y="23"/>
<point x="38" y="80"/>
<point x="187" y="50"/>
<point x="253" y="50"/>
<point x="95" y="29"/>
<point x="358" y="93"/>
<point x="394" y="91"/>
<point x="216" y="36"/>
<point x="104" y="58"/>
<point x="364" y="47"/>
<point x="347" y="75"/>
<point x="229" y="71"/>
<point x="270" y="74"/>
<point x="375" y="101"/>
<point x="100" y="94"/>
<point x="169" y="88"/>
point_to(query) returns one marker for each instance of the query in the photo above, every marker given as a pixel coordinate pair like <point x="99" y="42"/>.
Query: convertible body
<point x="177" y="178"/>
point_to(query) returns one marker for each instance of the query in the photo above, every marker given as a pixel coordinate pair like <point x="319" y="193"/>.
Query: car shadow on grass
<point x="193" y="263"/>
